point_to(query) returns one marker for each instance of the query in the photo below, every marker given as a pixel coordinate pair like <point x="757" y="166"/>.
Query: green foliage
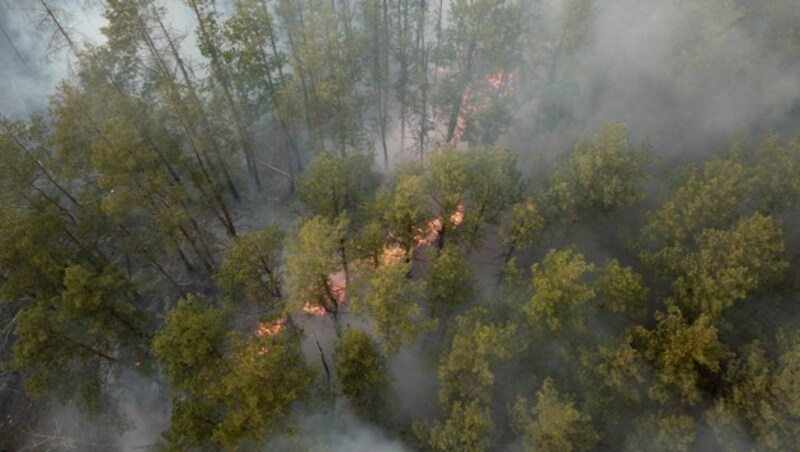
<point x="362" y="373"/>
<point x="190" y="347"/>
<point x="763" y="390"/>
<point x="468" y="427"/>
<point x="405" y="207"/>
<point x="553" y="424"/>
<point x="392" y="301"/>
<point x="602" y="174"/>
<point x="332" y="184"/>
<point x="480" y="183"/>
<point x="729" y="265"/>
<point x="613" y="372"/>
<point x="605" y="171"/>
<point x="560" y="291"/>
<point x="116" y="204"/>
<point x="682" y="352"/>
<point x="450" y="283"/>
<point x="663" y="432"/>
<point x="465" y="369"/>
<point x="620" y="288"/>
<point x="267" y="376"/>
<point x="70" y="345"/>
<point x="522" y="227"/>
<point x="251" y="268"/>
<point x="776" y="174"/>
<point x="493" y="185"/>
<point x="446" y="178"/>
<point x="227" y="388"/>
<point x="314" y="255"/>
<point x="709" y="197"/>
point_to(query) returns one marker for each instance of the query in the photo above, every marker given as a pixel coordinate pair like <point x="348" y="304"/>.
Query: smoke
<point x="336" y="430"/>
<point x="143" y="413"/>
<point x="34" y="59"/>
<point x="687" y="75"/>
<point x="22" y="67"/>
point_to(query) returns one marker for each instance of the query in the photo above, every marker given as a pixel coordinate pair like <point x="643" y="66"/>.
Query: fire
<point x="497" y="82"/>
<point x="393" y="254"/>
<point x="338" y="285"/>
<point x="457" y="217"/>
<point x="435" y="226"/>
<point x="271" y="329"/>
<point x="314" y="310"/>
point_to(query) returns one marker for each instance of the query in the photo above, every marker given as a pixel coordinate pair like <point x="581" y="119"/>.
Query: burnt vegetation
<point x="459" y="225"/>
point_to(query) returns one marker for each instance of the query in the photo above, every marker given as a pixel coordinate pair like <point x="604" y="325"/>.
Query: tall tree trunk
<point x="204" y="121"/>
<point x="220" y="75"/>
<point x="461" y="87"/>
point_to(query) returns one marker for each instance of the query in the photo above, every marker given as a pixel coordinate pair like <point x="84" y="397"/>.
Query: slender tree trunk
<point x="463" y="82"/>
<point x="204" y="122"/>
<point x="220" y="74"/>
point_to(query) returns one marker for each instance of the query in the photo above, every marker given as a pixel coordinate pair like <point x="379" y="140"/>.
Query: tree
<point x="465" y="369"/>
<point x="210" y="45"/>
<point x="602" y="173"/>
<point x="776" y="174"/>
<point x="468" y="427"/>
<point x="469" y="189"/>
<point x="521" y="227"/>
<point x="663" y="432"/>
<point x="619" y="288"/>
<point x="708" y="197"/>
<point x="482" y="39"/>
<point x="729" y="265"/>
<point x="314" y="256"/>
<point x="72" y="344"/>
<point x="392" y="301"/>
<point x="252" y="48"/>
<point x="617" y="368"/>
<point x="450" y="282"/>
<point x="761" y="390"/>
<point x="683" y="354"/>
<point x="405" y="208"/>
<point x="362" y="372"/>
<point x="325" y="52"/>
<point x="606" y="170"/>
<point x="446" y="180"/>
<point x="226" y="388"/>
<point x="553" y="424"/>
<point x="494" y="183"/>
<point x="268" y="376"/>
<point x="571" y="32"/>
<point x="251" y="268"/>
<point x="191" y="345"/>
<point x="335" y="184"/>
<point x="560" y="291"/>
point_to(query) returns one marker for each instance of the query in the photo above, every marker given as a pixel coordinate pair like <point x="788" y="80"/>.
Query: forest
<point x="396" y="225"/>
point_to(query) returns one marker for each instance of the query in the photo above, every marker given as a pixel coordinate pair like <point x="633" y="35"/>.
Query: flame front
<point x="271" y="329"/>
<point x="338" y="288"/>
<point x="435" y="226"/>
<point x="497" y="81"/>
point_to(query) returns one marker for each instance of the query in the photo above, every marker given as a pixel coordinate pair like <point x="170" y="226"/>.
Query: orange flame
<point x="271" y="329"/>
<point x="435" y="226"/>
<point x="393" y="254"/>
<point x="339" y="290"/>
<point x="496" y="80"/>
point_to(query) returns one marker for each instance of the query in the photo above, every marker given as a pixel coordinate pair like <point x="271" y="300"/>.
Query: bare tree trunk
<point x="461" y="87"/>
<point x="219" y="73"/>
